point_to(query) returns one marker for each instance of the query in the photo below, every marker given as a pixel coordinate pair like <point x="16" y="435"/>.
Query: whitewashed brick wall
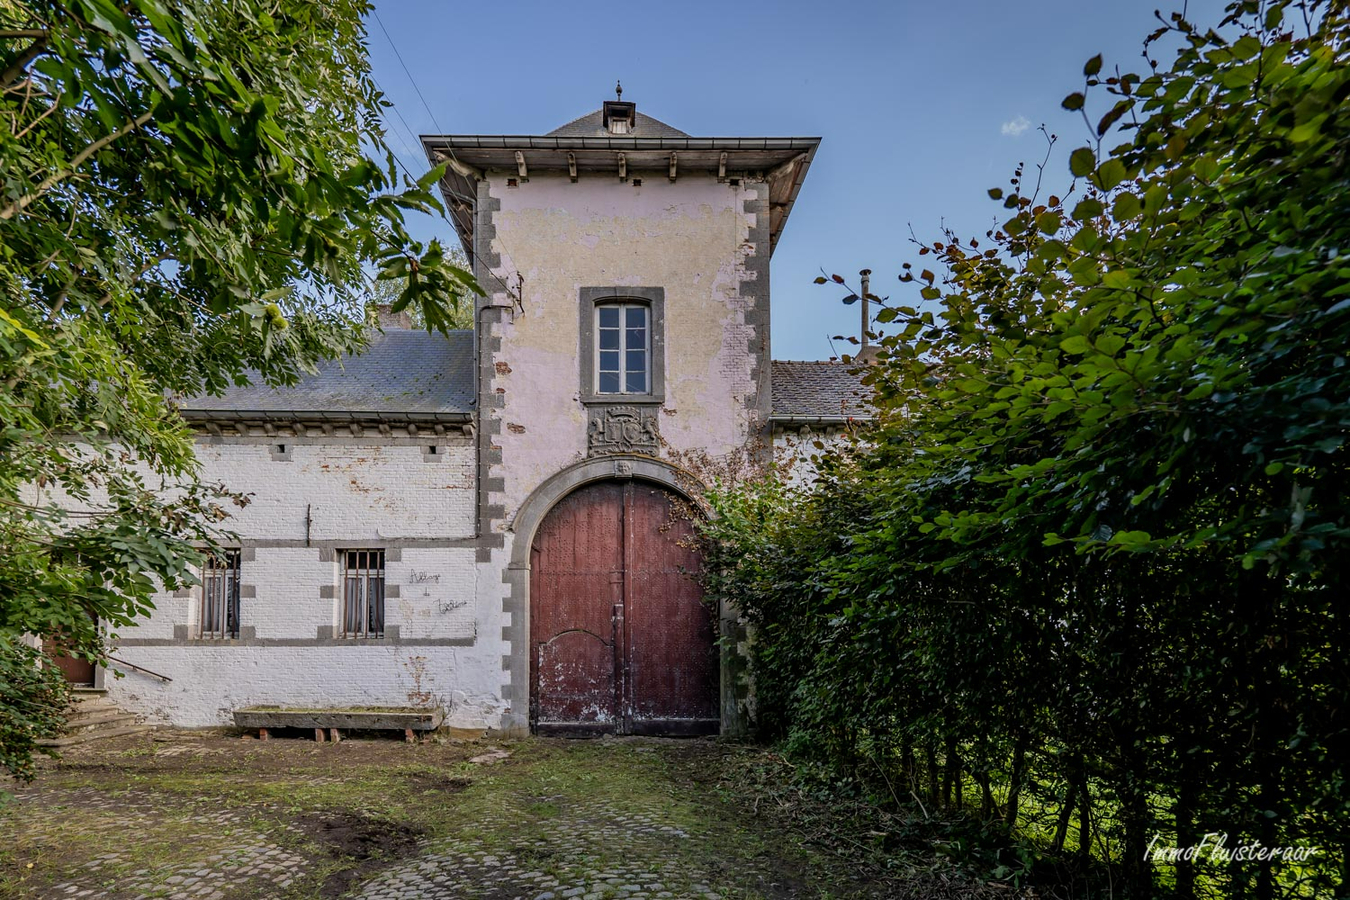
<point x="359" y="494"/>
<point x="209" y="682"/>
<point x="354" y="491"/>
<point x="796" y="455"/>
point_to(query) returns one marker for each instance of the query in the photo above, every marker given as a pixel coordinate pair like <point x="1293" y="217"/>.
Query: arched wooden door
<point x="620" y="639"/>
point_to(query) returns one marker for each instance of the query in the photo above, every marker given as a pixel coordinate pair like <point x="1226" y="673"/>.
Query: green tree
<point x="1098" y="558"/>
<point x="386" y="292"/>
<point x="188" y="190"/>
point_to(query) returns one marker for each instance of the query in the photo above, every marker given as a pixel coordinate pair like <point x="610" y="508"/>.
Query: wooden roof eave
<point x="784" y="161"/>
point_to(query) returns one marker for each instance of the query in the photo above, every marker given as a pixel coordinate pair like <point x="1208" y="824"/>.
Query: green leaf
<point x="1073" y="102"/>
<point x="1110" y="344"/>
<point x="1093" y="66"/>
<point x="1110" y="173"/>
<point x="1082" y="162"/>
<point x="1075" y="343"/>
<point x="1084" y="271"/>
<point x="1119" y="279"/>
<point x="1088" y="208"/>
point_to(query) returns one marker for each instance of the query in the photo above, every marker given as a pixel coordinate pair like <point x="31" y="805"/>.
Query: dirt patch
<point x="436" y="783"/>
<point x="368" y="842"/>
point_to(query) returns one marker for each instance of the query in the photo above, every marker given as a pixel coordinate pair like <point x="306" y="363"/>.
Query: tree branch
<point x="154" y="261"/>
<point x="23" y="202"/>
<point x="20" y="135"/>
<point x="32" y="52"/>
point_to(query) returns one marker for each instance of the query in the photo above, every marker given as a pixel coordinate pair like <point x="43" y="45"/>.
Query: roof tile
<point x="817" y="389"/>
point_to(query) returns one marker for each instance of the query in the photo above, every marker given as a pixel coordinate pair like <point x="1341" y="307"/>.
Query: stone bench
<point x="329" y="722"/>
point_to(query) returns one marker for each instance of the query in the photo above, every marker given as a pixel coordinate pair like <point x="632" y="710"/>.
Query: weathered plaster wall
<point x="371" y="493"/>
<point x="692" y="238"/>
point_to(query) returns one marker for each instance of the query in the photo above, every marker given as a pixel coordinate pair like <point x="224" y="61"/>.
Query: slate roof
<point x="811" y="389"/>
<point x="593" y="125"/>
<point x="413" y="374"/>
<point x="402" y="373"/>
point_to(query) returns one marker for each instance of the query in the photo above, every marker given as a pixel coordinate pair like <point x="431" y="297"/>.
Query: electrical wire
<point x="510" y="292"/>
<point x="408" y="133"/>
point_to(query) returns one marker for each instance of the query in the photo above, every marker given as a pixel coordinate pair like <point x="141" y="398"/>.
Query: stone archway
<point x="525" y="526"/>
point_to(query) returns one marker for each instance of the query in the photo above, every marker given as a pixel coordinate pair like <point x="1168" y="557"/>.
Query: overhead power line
<point x="510" y="292"/>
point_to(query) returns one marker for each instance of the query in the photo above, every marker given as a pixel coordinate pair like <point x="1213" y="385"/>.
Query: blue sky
<point x="922" y="107"/>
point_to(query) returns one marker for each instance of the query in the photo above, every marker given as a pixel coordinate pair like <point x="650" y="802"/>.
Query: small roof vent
<point x="619" y="117"/>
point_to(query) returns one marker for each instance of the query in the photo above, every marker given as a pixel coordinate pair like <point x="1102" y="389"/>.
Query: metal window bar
<point x="220" y="595"/>
<point x="363" y="594"/>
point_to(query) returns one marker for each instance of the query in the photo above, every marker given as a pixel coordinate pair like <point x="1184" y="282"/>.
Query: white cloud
<point x="1015" y="127"/>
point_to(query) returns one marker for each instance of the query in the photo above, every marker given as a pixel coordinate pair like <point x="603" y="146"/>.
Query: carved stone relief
<point x="622" y="429"/>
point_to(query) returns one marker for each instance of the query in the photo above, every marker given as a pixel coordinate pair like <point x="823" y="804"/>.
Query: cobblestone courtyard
<point x="211" y="816"/>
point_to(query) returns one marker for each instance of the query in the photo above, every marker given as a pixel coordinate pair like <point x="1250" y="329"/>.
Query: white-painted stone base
<point x="209" y="683"/>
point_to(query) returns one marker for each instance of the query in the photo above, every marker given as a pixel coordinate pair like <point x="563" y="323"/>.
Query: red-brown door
<point x="621" y="641"/>
<point x="79" y="672"/>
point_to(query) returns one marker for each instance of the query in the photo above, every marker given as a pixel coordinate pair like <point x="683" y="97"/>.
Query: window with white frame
<point x="363" y="593"/>
<point x="220" y="595"/>
<point x="622" y="348"/>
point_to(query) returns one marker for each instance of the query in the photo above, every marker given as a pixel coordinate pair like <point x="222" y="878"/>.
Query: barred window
<point x="220" y="595"/>
<point x="363" y="594"/>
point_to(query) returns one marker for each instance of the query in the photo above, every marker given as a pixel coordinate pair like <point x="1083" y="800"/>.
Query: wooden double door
<point x="621" y="641"/>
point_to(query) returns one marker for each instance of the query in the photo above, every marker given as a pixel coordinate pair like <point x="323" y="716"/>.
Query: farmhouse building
<point x="495" y="523"/>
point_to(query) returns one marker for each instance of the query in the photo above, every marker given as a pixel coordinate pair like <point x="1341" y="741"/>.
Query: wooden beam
<point x="672" y="166"/>
<point x="572" y="166"/>
<point x="459" y="168"/>
<point x="520" y="165"/>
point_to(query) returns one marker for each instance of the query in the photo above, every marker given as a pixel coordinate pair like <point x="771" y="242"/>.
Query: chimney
<point x="390" y="320"/>
<point x="866" y="310"/>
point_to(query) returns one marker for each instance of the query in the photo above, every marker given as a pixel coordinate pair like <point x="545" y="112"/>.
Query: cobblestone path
<point x="187" y="816"/>
<point x="242" y="863"/>
<point x="591" y="850"/>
